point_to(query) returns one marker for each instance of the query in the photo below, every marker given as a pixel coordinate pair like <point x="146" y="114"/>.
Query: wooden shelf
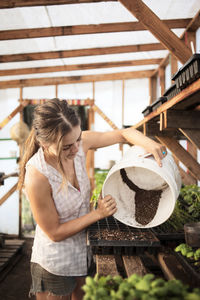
<point x="178" y="119"/>
<point x="186" y="99"/>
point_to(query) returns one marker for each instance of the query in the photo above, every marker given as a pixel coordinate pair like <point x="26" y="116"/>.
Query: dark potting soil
<point x="117" y="235"/>
<point x="146" y="201"/>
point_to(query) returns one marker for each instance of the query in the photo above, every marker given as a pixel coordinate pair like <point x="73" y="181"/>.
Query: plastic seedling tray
<point x="158" y="102"/>
<point x="188" y="73"/>
<point x="189" y="266"/>
<point x="147" y="110"/>
<point x="171" y="92"/>
<point x="110" y="236"/>
<point x="168" y="236"/>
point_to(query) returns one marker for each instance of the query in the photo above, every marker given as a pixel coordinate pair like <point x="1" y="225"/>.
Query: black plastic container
<point x="192" y="234"/>
<point x="147" y="110"/>
<point x="168" y="236"/>
<point x="109" y="235"/>
<point x="158" y="102"/>
<point x="172" y="91"/>
<point x="189" y="267"/>
<point x="188" y="73"/>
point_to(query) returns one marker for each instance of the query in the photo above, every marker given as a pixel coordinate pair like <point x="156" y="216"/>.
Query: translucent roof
<point x="85" y="14"/>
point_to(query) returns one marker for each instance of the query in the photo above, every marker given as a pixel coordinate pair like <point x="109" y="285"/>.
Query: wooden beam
<point x="184" y="119"/>
<point x="158" y="29"/>
<point x="8" y="194"/>
<point x="152" y="89"/>
<point x="194" y="24"/>
<point x="173" y="64"/>
<point x="13" y="113"/>
<point x="84" y="29"/>
<point x="192" y="27"/>
<point x="113" y="64"/>
<point x="106" y="265"/>
<point x="80" y="52"/>
<point x="161" y="75"/>
<point x="101" y="113"/>
<point x="133" y="265"/>
<point x="152" y="129"/>
<point x="181" y="154"/>
<point x="73" y="79"/>
<point x="192" y="135"/>
<point x="186" y="178"/>
<point x="193" y="151"/>
<point x="25" y="3"/>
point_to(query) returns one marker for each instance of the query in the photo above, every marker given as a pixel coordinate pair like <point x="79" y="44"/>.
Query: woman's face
<point x="70" y="144"/>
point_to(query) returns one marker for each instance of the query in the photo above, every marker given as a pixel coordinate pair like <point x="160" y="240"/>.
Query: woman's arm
<point x="94" y="140"/>
<point x="45" y="214"/>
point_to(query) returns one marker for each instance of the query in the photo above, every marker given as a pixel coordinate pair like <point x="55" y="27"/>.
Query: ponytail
<point x="31" y="147"/>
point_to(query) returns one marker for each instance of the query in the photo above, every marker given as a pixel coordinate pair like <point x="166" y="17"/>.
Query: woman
<point x="54" y="176"/>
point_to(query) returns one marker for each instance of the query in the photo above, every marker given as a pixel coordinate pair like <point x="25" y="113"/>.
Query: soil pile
<point x="146" y="201"/>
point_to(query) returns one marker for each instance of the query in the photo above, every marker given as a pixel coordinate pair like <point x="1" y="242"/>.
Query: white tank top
<point x="67" y="257"/>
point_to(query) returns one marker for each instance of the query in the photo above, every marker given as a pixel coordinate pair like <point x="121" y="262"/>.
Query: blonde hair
<point x="51" y="121"/>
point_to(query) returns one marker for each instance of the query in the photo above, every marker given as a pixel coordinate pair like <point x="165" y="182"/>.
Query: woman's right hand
<point x="106" y="206"/>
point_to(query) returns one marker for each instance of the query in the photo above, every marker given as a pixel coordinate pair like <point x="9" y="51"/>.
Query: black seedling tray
<point x="172" y="91"/>
<point x="109" y="232"/>
<point x="158" y="102"/>
<point x="168" y="236"/>
<point x="189" y="267"/>
<point x="147" y="110"/>
<point x="154" y="105"/>
<point x="188" y="73"/>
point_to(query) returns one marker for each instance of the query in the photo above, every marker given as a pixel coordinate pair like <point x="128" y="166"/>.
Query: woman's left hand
<point x="158" y="151"/>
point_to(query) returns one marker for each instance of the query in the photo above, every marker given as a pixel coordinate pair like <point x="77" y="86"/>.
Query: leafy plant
<point x="187" y="209"/>
<point x="100" y="177"/>
<point x="137" y="287"/>
<point x="189" y="199"/>
<point x="193" y="255"/>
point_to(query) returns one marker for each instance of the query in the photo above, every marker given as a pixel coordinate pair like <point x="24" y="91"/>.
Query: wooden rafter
<point x="80" y="52"/>
<point x="84" y="29"/>
<point x="74" y="79"/>
<point x="8" y="194"/>
<point x="181" y="154"/>
<point x="192" y="135"/>
<point x="25" y="3"/>
<point x="101" y="113"/>
<point x="113" y="64"/>
<point x="158" y="29"/>
<point x="10" y="116"/>
<point x="192" y="27"/>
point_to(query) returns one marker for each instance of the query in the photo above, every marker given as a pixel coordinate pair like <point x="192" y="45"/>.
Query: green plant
<point x="187" y="209"/>
<point x="137" y="287"/>
<point x="189" y="199"/>
<point x="100" y="177"/>
<point x="188" y="251"/>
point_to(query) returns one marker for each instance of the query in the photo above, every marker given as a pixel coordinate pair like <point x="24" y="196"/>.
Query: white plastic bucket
<point x="143" y="171"/>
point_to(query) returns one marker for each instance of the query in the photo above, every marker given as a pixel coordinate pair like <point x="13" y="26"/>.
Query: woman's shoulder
<point x="34" y="178"/>
<point x="37" y="161"/>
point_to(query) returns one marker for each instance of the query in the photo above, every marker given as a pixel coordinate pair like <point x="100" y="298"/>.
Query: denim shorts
<point x="43" y="281"/>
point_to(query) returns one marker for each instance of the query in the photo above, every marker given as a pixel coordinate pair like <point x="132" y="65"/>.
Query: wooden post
<point x="90" y="154"/>
<point x="152" y="89"/>
<point x="123" y="90"/>
<point x="190" y="41"/>
<point x="174" y="65"/>
<point x="56" y="90"/>
<point x="21" y="151"/>
<point x="161" y="74"/>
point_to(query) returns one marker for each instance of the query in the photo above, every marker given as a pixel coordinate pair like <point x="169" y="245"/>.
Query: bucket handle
<point x="146" y="155"/>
